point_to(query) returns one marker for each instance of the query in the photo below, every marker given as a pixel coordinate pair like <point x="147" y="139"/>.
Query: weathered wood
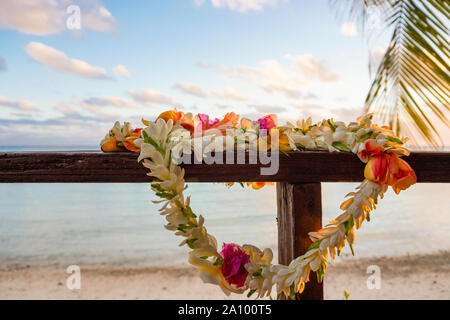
<point x="299" y="212"/>
<point x="310" y="166"/>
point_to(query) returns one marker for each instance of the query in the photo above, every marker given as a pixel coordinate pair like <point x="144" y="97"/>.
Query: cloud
<point x="313" y="68"/>
<point x="348" y="29"/>
<point x="190" y="89"/>
<point x="122" y="71"/>
<point x="228" y="94"/>
<point x="239" y="5"/>
<point x="44" y="17"/>
<point x="22" y="105"/>
<point x="269" y="75"/>
<point x="84" y="130"/>
<point x="150" y="96"/>
<point x="59" y="61"/>
<point x="268" y="108"/>
<point x="346" y="114"/>
<point x="64" y="108"/>
<point x="203" y="64"/>
<point x="2" y="64"/>
<point x="318" y="112"/>
<point x="94" y="104"/>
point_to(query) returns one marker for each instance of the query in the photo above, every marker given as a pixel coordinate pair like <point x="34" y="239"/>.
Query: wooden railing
<point x="299" y="198"/>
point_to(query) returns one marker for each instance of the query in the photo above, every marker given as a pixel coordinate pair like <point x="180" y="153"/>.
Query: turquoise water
<point x="95" y="224"/>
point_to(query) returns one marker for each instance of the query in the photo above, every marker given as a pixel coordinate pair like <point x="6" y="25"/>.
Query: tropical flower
<point x="205" y="122"/>
<point x="233" y="267"/>
<point x="259" y="185"/>
<point x="386" y="167"/>
<point x="129" y="142"/>
<point x="114" y="140"/>
<point x="267" y="123"/>
<point x="109" y="144"/>
<point x="172" y="114"/>
<point x="370" y="148"/>
<point x="229" y="120"/>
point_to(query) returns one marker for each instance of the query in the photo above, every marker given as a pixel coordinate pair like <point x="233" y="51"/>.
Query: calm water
<point x="42" y="224"/>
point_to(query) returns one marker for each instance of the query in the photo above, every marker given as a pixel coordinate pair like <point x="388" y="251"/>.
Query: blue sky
<point x="254" y="57"/>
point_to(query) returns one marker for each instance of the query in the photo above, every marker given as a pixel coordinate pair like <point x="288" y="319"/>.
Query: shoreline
<point x="405" y="277"/>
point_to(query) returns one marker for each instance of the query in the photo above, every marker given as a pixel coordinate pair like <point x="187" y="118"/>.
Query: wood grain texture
<point x="299" y="212"/>
<point x="309" y="166"/>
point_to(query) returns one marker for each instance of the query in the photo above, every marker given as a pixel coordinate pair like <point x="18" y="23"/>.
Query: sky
<point x="69" y="69"/>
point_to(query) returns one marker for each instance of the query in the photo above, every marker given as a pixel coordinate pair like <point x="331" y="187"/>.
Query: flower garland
<point x="247" y="268"/>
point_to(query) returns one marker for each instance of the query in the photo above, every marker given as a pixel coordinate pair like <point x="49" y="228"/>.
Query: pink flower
<point x="206" y="123"/>
<point x="233" y="268"/>
<point x="267" y="123"/>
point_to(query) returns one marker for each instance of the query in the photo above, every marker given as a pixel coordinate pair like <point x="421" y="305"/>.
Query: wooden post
<point x="299" y="212"/>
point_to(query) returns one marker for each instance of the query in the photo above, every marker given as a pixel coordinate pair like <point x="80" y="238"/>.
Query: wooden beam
<point x="297" y="167"/>
<point x="299" y="212"/>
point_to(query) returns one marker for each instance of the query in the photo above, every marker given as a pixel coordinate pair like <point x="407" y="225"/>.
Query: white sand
<point x="410" y="277"/>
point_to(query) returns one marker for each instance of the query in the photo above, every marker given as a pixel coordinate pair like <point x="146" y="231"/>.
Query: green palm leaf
<point x="411" y="87"/>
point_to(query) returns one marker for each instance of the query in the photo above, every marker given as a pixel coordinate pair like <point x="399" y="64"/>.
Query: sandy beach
<point x="408" y="277"/>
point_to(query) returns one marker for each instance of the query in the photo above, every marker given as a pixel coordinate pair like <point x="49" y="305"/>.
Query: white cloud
<point x="228" y="94"/>
<point x="2" y="64"/>
<point x="313" y="68"/>
<point x="58" y="60"/>
<point x="150" y="96"/>
<point x="349" y="29"/>
<point x="122" y="71"/>
<point x="22" y="105"/>
<point x="318" y="112"/>
<point x="43" y="17"/>
<point x="269" y="75"/>
<point x="190" y="89"/>
<point x="64" y="108"/>
<point x="268" y="108"/>
<point x="97" y="18"/>
<point x="240" y="5"/>
<point x="96" y="103"/>
<point x="203" y="64"/>
<point x="274" y="77"/>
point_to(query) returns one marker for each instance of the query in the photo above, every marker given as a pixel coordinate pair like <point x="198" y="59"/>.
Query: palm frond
<point x="411" y="88"/>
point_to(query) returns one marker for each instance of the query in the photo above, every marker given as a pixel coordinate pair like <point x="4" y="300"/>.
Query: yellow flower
<point x="283" y="140"/>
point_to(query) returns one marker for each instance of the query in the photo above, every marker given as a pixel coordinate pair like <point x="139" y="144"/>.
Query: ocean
<point x="117" y="224"/>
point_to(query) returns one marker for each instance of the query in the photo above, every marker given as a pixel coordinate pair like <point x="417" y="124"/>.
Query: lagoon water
<point x="117" y="224"/>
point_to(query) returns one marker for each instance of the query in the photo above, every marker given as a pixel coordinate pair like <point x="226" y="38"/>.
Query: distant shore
<point x="407" y="277"/>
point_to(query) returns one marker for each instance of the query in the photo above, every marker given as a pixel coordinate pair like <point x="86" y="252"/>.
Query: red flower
<point x="388" y="168"/>
<point x="233" y="268"/>
<point x="267" y="123"/>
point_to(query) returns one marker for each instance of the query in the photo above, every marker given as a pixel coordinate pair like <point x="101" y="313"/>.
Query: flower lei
<point x="241" y="268"/>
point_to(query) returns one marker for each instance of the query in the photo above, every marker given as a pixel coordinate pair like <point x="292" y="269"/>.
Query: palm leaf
<point x="411" y="88"/>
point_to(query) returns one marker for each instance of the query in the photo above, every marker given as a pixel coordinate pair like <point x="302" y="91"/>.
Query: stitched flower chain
<point x="235" y="268"/>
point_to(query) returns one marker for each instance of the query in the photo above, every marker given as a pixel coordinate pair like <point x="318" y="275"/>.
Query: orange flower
<point x="172" y="114"/>
<point x="401" y="175"/>
<point x="391" y="170"/>
<point x="128" y="143"/>
<point x="175" y="116"/>
<point x="259" y="185"/>
<point x="231" y="119"/>
<point x="110" y="145"/>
